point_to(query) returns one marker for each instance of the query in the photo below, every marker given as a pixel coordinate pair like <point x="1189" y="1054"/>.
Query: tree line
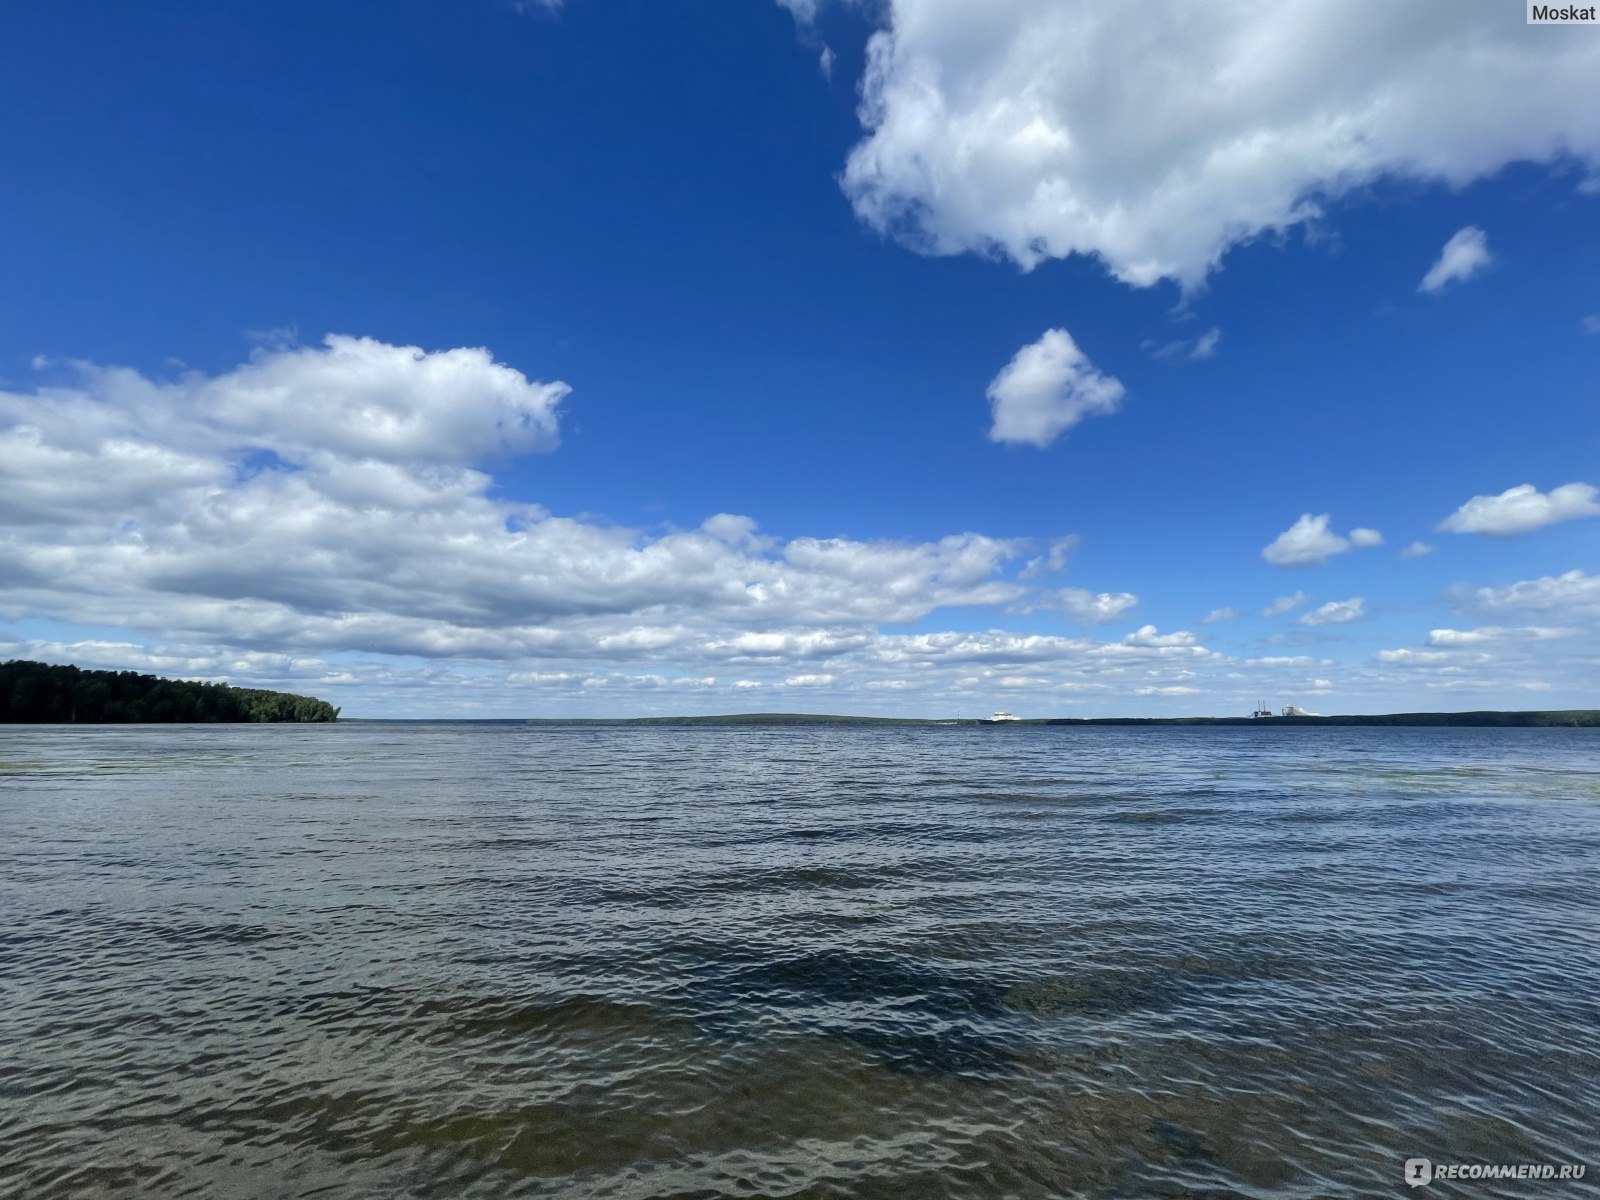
<point x="1535" y="718"/>
<point x="38" y="693"/>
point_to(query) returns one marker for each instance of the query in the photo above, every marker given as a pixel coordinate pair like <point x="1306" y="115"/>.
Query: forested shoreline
<point x="43" y="694"/>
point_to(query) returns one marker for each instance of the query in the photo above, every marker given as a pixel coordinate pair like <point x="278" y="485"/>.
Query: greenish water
<point x="373" y="960"/>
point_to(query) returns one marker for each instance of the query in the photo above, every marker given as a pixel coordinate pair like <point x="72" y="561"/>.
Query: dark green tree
<point x="39" y="693"/>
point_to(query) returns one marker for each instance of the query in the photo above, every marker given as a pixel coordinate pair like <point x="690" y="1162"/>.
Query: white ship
<point x="1002" y="715"/>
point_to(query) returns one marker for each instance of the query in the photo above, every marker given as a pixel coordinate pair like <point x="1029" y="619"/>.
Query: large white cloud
<point x="189" y="527"/>
<point x="1523" y="509"/>
<point x="334" y="489"/>
<point x="1158" y="135"/>
<point x="1311" y="542"/>
<point x="314" y="504"/>
<point x="1047" y="388"/>
<point x="351" y="398"/>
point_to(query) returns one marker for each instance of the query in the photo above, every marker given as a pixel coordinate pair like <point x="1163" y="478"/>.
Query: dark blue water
<point x="474" y="961"/>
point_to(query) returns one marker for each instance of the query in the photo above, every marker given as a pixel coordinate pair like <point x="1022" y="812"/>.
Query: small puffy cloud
<point x="1591" y="324"/>
<point x="1523" y="509"/>
<point x="822" y="680"/>
<point x="1463" y="256"/>
<point x="1408" y="657"/>
<point x="1336" y="612"/>
<point x="1157" y="136"/>
<point x="1310" y="542"/>
<point x="1416" y="550"/>
<point x="1046" y="389"/>
<point x="1461" y="637"/>
<point x="1092" y="608"/>
<point x="1177" y="689"/>
<point x="1205" y="345"/>
<point x="1147" y="636"/>
<point x="1220" y="614"/>
<point x="1285" y="604"/>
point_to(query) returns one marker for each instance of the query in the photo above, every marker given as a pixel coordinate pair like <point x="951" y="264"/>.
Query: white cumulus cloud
<point x="1285" y="604"/>
<point x="1463" y="256"/>
<point x="1092" y="608"/>
<point x="1573" y="593"/>
<point x="1493" y="634"/>
<point x="328" y="497"/>
<point x="1147" y="636"/>
<point x="1310" y="542"/>
<point x="1158" y="135"/>
<point x="1409" y="657"/>
<point x="1047" y="388"/>
<point x="1523" y="509"/>
<point x="1336" y="612"/>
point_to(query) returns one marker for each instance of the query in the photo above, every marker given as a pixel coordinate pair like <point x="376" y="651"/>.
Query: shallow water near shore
<point x="456" y="960"/>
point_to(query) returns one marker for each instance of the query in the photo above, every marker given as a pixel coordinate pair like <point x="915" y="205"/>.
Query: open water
<point x="455" y="960"/>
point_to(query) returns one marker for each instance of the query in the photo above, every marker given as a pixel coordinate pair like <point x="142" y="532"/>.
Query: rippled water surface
<point x="496" y="960"/>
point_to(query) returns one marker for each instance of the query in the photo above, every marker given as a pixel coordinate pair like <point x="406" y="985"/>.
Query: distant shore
<point x="41" y="693"/>
<point x="1539" y="718"/>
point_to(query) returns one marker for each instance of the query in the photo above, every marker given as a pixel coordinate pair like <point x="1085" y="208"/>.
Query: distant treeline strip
<point x="1536" y="718"/>
<point x="37" y="693"/>
<point x="1570" y="717"/>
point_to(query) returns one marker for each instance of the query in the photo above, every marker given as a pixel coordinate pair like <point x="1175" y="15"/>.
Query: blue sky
<point x="917" y="358"/>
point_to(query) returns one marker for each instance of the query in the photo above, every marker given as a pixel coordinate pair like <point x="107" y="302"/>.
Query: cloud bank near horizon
<point x="320" y="517"/>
